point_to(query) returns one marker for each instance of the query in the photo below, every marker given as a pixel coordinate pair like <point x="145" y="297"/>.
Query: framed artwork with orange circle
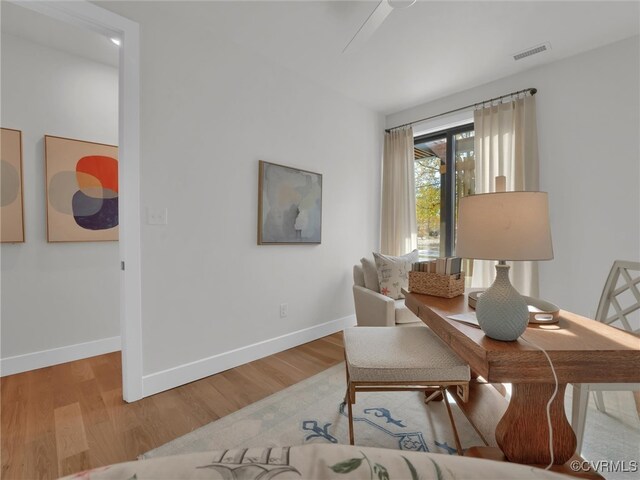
<point x="82" y="190"/>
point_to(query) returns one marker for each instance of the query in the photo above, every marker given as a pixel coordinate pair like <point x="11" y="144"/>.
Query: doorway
<point x="96" y="19"/>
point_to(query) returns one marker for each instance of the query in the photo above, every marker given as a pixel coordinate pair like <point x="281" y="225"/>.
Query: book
<point x="424" y="266"/>
<point x="454" y="265"/>
<point x="442" y="266"/>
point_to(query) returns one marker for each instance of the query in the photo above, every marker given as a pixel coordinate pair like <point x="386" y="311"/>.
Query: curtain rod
<point x="531" y="91"/>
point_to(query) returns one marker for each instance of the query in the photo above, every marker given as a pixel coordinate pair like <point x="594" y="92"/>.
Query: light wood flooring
<point x="71" y="417"/>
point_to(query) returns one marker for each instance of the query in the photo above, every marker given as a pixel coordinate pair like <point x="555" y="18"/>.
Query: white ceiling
<point x="35" y="27"/>
<point x="430" y="50"/>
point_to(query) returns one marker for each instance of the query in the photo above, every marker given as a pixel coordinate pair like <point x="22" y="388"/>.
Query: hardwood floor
<point x="71" y="417"/>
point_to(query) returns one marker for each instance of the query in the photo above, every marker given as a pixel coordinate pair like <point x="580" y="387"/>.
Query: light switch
<point x="157" y="216"/>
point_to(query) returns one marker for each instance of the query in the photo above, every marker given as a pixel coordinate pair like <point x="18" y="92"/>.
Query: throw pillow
<point x="370" y="274"/>
<point x="393" y="273"/>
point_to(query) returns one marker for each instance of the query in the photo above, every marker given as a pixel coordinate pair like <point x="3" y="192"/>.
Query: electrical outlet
<point x="157" y="216"/>
<point x="284" y="310"/>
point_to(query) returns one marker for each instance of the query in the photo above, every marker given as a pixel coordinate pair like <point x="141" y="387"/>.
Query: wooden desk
<point x="582" y="351"/>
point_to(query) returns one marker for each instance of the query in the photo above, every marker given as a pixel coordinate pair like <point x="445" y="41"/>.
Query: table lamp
<point x="503" y="226"/>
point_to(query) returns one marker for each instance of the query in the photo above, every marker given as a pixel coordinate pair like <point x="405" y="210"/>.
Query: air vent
<point x="532" y="51"/>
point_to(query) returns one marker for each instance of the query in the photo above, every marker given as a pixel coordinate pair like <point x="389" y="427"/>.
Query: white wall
<point x="588" y="133"/>
<point x="210" y="111"/>
<point x="55" y="295"/>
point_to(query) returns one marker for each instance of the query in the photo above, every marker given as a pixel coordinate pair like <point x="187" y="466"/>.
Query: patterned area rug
<point x="612" y="436"/>
<point x="312" y="412"/>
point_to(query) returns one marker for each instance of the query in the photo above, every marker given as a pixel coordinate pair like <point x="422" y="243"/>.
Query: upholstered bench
<point x="390" y="358"/>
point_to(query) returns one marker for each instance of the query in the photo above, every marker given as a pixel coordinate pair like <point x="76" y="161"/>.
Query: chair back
<point x="621" y="292"/>
<point x="358" y="276"/>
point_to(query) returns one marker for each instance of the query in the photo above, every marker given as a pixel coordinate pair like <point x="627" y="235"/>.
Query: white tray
<point x="540" y="311"/>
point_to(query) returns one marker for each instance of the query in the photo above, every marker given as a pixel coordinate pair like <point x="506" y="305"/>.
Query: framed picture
<point x="289" y="205"/>
<point x="11" y="199"/>
<point x="82" y="190"/>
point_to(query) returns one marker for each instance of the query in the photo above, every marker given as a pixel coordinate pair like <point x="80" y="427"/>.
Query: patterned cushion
<point x="392" y="354"/>
<point x="393" y="273"/>
<point x="316" y="460"/>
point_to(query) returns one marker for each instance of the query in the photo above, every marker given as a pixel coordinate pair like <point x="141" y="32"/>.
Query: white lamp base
<point x="501" y="311"/>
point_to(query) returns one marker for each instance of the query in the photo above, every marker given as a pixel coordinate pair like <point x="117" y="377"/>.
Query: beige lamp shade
<point x="504" y="226"/>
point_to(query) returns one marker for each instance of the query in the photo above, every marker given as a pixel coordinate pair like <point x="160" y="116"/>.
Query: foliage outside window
<point x="437" y="191"/>
<point x="427" y="174"/>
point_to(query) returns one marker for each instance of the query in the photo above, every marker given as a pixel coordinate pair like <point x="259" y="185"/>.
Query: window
<point x="444" y="172"/>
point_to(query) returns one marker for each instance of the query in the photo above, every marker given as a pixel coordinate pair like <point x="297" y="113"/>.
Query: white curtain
<point x="506" y="143"/>
<point x="398" y="223"/>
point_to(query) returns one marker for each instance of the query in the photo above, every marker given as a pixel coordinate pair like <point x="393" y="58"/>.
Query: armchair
<point x="374" y="309"/>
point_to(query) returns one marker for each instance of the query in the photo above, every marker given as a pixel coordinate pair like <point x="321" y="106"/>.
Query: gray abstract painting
<point x="289" y="205"/>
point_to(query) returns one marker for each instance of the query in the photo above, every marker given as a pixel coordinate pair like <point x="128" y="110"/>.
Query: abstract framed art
<point x="289" y="205"/>
<point x="82" y="190"/>
<point x="11" y="197"/>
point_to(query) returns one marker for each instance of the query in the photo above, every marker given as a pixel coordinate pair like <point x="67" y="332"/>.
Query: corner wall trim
<point x="69" y="353"/>
<point x="189" y="372"/>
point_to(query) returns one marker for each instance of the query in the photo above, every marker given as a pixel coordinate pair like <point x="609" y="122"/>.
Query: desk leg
<point x="522" y="432"/>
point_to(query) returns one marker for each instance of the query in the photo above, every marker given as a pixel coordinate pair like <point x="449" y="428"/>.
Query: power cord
<point x="553" y="396"/>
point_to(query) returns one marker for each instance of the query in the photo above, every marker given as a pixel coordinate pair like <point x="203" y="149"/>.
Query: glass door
<point x="430" y="157"/>
<point x="444" y="172"/>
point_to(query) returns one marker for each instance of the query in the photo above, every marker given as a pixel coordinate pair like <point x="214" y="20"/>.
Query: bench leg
<point x="453" y="424"/>
<point x="351" y="394"/>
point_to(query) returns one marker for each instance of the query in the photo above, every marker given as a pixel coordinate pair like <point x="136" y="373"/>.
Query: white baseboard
<point x="189" y="372"/>
<point x="46" y="358"/>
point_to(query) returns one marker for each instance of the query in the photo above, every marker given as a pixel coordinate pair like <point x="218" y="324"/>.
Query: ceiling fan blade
<point x="370" y="25"/>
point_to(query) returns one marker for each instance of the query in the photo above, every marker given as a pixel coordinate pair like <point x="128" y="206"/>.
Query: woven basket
<point x="447" y="286"/>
